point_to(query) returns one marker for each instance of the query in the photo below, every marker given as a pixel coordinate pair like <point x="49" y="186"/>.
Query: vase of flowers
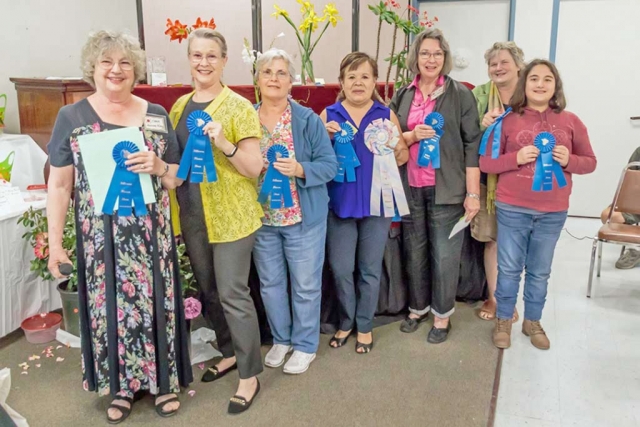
<point x="310" y="23"/>
<point x="35" y="222"/>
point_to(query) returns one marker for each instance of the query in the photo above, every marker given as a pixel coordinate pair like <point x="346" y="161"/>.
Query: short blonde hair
<point x="271" y="55"/>
<point x="103" y="42"/>
<point x="516" y="53"/>
<point x="209" y="34"/>
<point x="414" y="51"/>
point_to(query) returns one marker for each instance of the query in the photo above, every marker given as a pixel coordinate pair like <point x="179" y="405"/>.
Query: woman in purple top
<point x="365" y="134"/>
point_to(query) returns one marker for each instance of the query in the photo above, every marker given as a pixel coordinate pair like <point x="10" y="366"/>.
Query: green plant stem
<point x="378" y="38"/>
<point x="393" y="48"/>
<point x="318" y="39"/>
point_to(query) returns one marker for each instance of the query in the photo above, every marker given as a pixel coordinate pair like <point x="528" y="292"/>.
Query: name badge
<point x="155" y="123"/>
<point x="436" y="93"/>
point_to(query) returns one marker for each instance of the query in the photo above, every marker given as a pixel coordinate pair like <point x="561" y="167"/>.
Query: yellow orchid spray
<point x="310" y="23"/>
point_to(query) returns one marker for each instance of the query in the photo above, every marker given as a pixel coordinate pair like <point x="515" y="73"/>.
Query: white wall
<point x="466" y="27"/>
<point x="43" y="38"/>
<point x="533" y="27"/>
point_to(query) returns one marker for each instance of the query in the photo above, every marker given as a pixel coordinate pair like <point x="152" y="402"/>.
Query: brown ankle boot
<point x="538" y="337"/>
<point x="502" y="333"/>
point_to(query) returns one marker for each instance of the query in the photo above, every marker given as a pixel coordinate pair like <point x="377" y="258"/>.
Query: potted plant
<point x="35" y="221"/>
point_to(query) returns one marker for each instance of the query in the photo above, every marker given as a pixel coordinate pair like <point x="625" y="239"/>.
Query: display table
<point x="23" y="159"/>
<point x="22" y="292"/>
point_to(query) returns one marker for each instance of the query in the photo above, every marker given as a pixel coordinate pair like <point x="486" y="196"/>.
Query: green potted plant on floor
<point x="35" y="221"/>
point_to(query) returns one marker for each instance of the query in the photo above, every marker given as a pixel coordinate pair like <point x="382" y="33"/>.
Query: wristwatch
<point x="166" y="171"/>
<point x="474" y="196"/>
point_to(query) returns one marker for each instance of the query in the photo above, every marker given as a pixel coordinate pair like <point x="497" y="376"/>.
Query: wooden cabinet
<point x="39" y="101"/>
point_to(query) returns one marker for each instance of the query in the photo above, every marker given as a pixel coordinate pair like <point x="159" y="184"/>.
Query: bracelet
<point x="474" y="196"/>
<point x="166" y="171"/>
<point x="233" y="153"/>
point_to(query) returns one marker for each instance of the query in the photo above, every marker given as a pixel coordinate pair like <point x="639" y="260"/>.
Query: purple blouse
<point x="352" y="199"/>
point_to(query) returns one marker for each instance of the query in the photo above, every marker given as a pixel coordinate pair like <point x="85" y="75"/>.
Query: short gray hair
<point x="209" y="34"/>
<point x="103" y="42"/>
<point x="516" y="53"/>
<point x="271" y="55"/>
<point x="414" y="51"/>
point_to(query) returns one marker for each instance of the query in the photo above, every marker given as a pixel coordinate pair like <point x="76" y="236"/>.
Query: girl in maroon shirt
<point x="541" y="146"/>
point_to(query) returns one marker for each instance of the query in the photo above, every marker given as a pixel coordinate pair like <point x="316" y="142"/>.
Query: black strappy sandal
<point x="366" y="348"/>
<point x="238" y="404"/>
<point x="339" y="342"/>
<point x="213" y="373"/>
<point x="160" y="406"/>
<point x="123" y="409"/>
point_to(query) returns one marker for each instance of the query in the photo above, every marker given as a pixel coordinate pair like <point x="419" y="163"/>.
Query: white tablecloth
<point x="27" y="157"/>
<point x="22" y="293"/>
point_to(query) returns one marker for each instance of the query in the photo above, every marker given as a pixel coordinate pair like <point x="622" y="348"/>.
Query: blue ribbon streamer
<point x="546" y="166"/>
<point x="429" y="150"/>
<point x="198" y="154"/>
<point x="125" y="185"/>
<point x="347" y="159"/>
<point x="496" y="129"/>
<point x="275" y="183"/>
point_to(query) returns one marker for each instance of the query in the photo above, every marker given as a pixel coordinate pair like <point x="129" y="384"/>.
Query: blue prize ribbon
<point x="546" y="166"/>
<point x="125" y="185"/>
<point x="198" y="154"/>
<point x="275" y="183"/>
<point x="496" y="129"/>
<point x="347" y="159"/>
<point x="429" y="150"/>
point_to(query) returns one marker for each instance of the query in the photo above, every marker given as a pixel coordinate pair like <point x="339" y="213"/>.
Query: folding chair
<point x="626" y="199"/>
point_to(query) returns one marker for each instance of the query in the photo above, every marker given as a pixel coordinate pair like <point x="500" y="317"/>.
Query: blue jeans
<point x="300" y="250"/>
<point x="525" y="242"/>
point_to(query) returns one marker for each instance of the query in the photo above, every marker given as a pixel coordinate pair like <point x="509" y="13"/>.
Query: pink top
<point x="419" y="176"/>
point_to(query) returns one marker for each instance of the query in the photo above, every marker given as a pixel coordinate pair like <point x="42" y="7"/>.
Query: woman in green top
<point x="219" y="219"/>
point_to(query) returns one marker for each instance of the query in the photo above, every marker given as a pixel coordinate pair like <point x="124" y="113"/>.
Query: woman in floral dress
<point x="131" y="314"/>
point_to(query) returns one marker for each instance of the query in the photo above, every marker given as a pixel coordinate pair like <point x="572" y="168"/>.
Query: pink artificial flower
<point x="192" y="308"/>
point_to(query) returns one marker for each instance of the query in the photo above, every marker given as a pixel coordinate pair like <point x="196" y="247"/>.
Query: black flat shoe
<point x="439" y="335"/>
<point x="123" y="409"/>
<point x="160" y="406"/>
<point x="410" y="325"/>
<point x="238" y="404"/>
<point x="213" y="373"/>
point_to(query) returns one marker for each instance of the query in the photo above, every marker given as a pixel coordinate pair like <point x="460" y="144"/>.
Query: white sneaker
<point x="299" y="362"/>
<point x="275" y="356"/>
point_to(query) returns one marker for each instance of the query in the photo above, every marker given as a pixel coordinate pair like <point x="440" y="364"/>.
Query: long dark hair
<point x="519" y="100"/>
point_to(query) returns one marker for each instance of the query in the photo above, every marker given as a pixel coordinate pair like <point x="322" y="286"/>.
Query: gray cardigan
<point x="459" y="144"/>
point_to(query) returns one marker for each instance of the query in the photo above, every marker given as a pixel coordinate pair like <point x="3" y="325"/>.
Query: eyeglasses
<point x="438" y="56"/>
<point x="280" y="75"/>
<point x="124" y="65"/>
<point x="196" y="58"/>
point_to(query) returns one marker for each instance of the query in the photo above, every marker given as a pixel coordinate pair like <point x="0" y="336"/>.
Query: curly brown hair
<point x="519" y="100"/>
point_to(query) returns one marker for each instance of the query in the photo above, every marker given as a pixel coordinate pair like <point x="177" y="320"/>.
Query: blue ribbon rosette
<point x="125" y="187"/>
<point x="347" y="159"/>
<point x="546" y="166"/>
<point x="496" y="129"/>
<point x="275" y="184"/>
<point x="198" y="154"/>
<point x="429" y="151"/>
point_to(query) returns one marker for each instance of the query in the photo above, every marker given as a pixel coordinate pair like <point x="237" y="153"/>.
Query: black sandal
<point x="366" y="348"/>
<point x="213" y="373"/>
<point x="160" y="406"/>
<point x="123" y="410"/>
<point x="339" y="342"/>
<point x="238" y="404"/>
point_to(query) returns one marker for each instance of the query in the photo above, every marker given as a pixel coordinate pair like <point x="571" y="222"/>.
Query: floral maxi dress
<point x="133" y="330"/>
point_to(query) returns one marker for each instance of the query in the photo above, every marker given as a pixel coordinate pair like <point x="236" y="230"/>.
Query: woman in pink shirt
<point x="541" y="146"/>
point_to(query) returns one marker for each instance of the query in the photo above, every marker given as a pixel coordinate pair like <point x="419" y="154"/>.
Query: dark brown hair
<point x="519" y="100"/>
<point x="351" y="62"/>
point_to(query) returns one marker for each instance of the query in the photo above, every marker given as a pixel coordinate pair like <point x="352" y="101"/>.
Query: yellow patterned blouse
<point x="231" y="208"/>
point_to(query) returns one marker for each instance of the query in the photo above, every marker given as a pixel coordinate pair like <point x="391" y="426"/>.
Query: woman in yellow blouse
<point x="218" y="209"/>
